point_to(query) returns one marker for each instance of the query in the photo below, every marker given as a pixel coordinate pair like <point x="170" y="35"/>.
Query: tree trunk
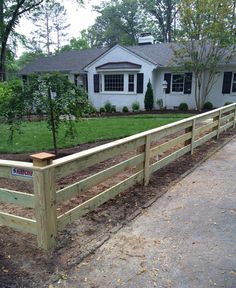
<point x="3" y="62"/>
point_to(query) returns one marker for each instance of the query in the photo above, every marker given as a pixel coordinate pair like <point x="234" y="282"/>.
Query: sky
<point x="79" y="18"/>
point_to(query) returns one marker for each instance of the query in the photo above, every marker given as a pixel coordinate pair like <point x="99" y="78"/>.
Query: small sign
<point x="21" y="172"/>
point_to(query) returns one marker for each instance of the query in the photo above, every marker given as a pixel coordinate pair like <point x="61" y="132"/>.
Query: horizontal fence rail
<point x="146" y="153"/>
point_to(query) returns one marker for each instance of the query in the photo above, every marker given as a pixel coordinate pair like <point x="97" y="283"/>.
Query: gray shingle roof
<point x="71" y="61"/>
<point x="119" y="65"/>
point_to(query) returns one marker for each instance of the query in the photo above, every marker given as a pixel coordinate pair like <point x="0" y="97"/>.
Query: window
<point x="131" y="83"/>
<point x="178" y="83"/>
<point x="114" y="82"/>
<point x="234" y="83"/>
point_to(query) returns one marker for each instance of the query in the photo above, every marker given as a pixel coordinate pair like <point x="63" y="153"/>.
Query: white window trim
<point x="175" y="92"/>
<point x="126" y="83"/>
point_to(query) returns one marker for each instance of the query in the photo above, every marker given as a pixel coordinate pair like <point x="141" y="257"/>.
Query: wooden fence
<point x="44" y="173"/>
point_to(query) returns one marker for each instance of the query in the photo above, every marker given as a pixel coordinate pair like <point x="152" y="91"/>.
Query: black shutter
<point x="226" y="89"/>
<point x="187" y="83"/>
<point x="167" y="78"/>
<point x="140" y="83"/>
<point x="96" y="83"/>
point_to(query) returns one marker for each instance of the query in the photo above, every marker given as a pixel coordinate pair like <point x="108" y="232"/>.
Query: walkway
<point x="185" y="239"/>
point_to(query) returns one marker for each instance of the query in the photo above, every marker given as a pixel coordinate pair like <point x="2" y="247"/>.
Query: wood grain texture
<point x="15" y="197"/>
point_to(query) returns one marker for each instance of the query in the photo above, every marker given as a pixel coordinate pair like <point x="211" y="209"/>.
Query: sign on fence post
<point x="45" y="200"/>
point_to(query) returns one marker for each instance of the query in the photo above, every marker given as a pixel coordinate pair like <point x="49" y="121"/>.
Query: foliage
<point x="89" y="108"/>
<point x="125" y="109"/>
<point x="136" y="106"/>
<point x="12" y="106"/>
<point x="108" y="107"/>
<point x="113" y="108"/>
<point x="183" y="106"/>
<point x="10" y="13"/>
<point x="207" y="40"/>
<point x="102" y="110"/>
<point x="228" y="103"/>
<point x="50" y="26"/>
<point x="208" y="105"/>
<point x="164" y="13"/>
<point x="61" y="101"/>
<point x="148" y="99"/>
<point x="27" y="57"/>
<point x="79" y="43"/>
<point x="118" y="22"/>
<point x="160" y="104"/>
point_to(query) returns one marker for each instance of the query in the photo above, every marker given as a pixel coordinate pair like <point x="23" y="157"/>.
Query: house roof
<point x="74" y="62"/>
<point x="71" y="61"/>
<point x="118" y="66"/>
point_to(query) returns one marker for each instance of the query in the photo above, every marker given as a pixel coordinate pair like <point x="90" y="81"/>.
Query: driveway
<point x="187" y="238"/>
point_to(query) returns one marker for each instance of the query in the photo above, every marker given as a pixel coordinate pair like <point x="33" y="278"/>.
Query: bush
<point x="228" y="103"/>
<point x="148" y="100"/>
<point x="208" y="106"/>
<point x="108" y="107"/>
<point x="183" y="106"/>
<point x="160" y="104"/>
<point x="125" y="109"/>
<point x="89" y="109"/>
<point x="102" y="110"/>
<point x="113" y="108"/>
<point x="135" y="106"/>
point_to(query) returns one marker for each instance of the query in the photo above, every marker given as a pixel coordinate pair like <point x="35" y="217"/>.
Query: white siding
<point x="119" y="99"/>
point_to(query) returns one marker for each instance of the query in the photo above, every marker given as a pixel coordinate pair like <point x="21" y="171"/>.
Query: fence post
<point x="45" y="200"/>
<point x="147" y="160"/>
<point x="187" y="130"/>
<point x="234" y="116"/>
<point x="218" y="128"/>
<point x="193" y="136"/>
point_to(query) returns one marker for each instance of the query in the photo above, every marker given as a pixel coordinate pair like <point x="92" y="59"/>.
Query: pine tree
<point x="148" y="100"/>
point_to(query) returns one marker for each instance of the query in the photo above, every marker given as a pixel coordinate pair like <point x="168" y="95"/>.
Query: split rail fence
<point x="44" y="172"/>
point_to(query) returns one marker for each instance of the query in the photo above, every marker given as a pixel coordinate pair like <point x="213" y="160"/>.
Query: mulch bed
<point x="22" y="264"/>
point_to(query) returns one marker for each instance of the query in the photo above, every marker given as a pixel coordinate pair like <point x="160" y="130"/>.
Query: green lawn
<point x="36" y="137"/>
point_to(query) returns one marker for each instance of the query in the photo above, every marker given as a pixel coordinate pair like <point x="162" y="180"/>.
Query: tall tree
<point x="164" y="13"/>
<point x="50" y="22"/>
<point x="207" y="40"/>
<point x="80" y="43"/>
<point x="10" y="13"/>
<point x="120" y="21"/>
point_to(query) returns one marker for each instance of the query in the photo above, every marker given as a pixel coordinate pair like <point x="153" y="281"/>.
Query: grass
<point x="35" y="136"/>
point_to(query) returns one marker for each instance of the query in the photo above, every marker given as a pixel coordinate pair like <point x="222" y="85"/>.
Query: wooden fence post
<point x="147" y="160"/>
<point x="193" y="136"/>
<point x="218" y="128"/>
<point x="45" y="200"/>
<point x="189" y="141"/>
<point x="234" y="116"/>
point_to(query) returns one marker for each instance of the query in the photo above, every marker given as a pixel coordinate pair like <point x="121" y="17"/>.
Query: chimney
<point x="145" y="39"/>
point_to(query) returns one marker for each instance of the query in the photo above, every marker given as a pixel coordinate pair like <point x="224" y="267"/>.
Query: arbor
<point x="79" y="43"/>
<point x="207" y="40"/>
<point x="164" y="14"/>
<point x="10" y="13"/>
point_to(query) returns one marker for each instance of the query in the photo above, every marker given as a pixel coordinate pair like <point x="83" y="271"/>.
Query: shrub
<point x="102" y="110"/>
<point x="113" y="108"/>
<point x="227" y="103"/>
<point x="183" y="106"/>
<point x="160" y="104"/>
<point x="135" y="106"/>
<point x="89" y="109"/>
<point x="208" y="106"/>
<point x="108" y="107"/>
<point x="125" y="109"/>
<point x="148" y="100"/>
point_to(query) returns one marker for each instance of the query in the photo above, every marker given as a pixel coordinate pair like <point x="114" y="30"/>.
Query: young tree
<point x="148" y="100"/>
<point x="207" y="40"/>
<point x="59" y="99"/>
<point x="10" y="13"/>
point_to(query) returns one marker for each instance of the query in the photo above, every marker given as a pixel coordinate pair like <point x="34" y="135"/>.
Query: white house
<point x="120" y="75"/>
